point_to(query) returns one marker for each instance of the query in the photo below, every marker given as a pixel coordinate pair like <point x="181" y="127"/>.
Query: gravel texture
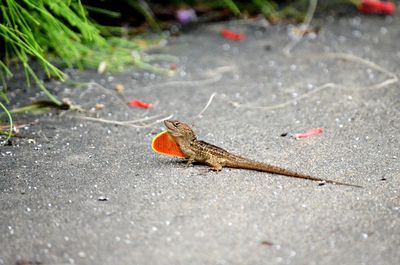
<point x="74" y="191"/>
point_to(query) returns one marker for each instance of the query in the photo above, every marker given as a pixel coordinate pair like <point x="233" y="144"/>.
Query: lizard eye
<point x="177" y="123"/>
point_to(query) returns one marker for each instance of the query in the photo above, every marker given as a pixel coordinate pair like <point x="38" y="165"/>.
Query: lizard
<point x="217" y="158"/>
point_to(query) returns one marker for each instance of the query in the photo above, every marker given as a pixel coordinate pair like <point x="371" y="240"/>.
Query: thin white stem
<point x="354" y="58"/>
<point x="207" y="105"/>
<point x="286" y="103"/>
<point x="214" y="76"/>
<point x="304" y="26"/>
<point x="125" y="123"/>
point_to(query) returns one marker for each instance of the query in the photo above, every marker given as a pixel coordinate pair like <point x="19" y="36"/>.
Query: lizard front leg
<point x="190" y="161"/>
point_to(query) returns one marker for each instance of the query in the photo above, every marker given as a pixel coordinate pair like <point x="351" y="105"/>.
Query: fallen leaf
<point x="99" y="106"/>
<point x="41" y="105"/>
<point x="267" y="243"/>
<point x="142" y="43"/>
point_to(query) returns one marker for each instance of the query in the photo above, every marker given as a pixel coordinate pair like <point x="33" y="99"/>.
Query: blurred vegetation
<point x="89" y="33"/>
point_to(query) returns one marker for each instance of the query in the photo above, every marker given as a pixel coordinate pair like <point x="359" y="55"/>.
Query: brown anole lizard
<point x="217" y="158"/>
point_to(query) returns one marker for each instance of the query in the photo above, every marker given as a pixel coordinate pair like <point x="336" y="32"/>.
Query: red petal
<point x="139" y="104"/>
<point x="172" y="66"/>
<point x="309" y="133"/>
<point x="376" y="7"/>
<point x="227" y="34"/>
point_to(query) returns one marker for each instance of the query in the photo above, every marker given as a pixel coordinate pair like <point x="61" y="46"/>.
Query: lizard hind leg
<point x="215" y="166"/>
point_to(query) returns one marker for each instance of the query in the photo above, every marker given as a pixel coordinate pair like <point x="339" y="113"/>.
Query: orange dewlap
<point x="163" y="144"/>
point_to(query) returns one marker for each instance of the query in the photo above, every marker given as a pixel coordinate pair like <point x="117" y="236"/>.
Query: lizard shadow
<point x="183" y="164"/>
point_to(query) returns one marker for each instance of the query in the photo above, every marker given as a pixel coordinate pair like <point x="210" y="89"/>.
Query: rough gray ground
<point x="160" y="212"/>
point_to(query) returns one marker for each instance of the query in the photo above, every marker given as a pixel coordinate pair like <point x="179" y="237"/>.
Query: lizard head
<point x="179" y="129"/>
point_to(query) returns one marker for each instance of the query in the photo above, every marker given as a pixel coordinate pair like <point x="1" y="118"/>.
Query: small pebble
<point x="102" y="198"/>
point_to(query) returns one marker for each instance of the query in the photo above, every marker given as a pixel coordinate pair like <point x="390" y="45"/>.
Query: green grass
<point x="60" y="32"/>
<point x="57" y="32"/>
<point x="10" y="120"/>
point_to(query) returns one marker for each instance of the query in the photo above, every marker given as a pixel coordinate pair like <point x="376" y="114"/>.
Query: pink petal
<point x="309" y="133"/>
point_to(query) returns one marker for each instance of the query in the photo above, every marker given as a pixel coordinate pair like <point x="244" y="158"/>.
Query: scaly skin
<point x="217" y="158"/>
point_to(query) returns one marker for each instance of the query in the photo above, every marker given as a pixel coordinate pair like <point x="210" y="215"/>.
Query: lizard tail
<point x="281" y="171"/>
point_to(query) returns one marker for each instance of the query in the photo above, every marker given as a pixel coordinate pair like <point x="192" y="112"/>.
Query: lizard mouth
<point x="172" y="127"/>
<point x="169" y="124"/>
